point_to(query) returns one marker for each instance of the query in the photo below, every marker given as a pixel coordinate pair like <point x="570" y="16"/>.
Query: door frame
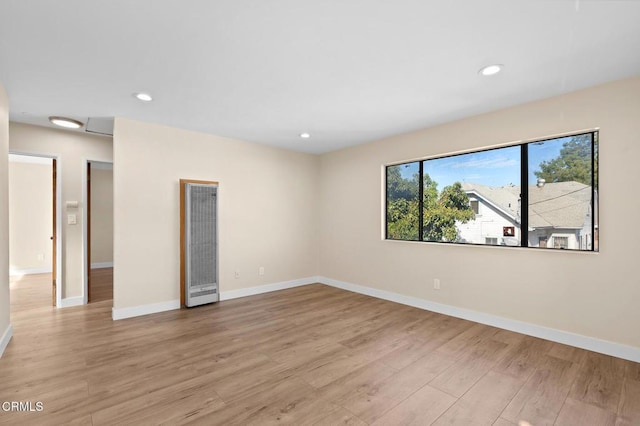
<point x="58" y="216"/>
<point x="86" y="234"/>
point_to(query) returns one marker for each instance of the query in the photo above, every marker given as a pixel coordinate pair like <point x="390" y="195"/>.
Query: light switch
<point x="71" y="219"/>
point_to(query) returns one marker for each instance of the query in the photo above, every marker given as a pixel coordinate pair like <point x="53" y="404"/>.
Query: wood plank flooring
<point x="101" y="284"/>
<point x="311" y="355"/>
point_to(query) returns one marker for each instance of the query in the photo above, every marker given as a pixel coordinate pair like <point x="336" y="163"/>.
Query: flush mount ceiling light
<point x="145" y="97"/>
<point x="68" y="123"/>
<point x="491" y="69"/>
<point x="305" y="135"/>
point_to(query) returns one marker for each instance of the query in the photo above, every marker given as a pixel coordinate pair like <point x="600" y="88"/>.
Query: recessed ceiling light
<point x="491" y="69"/>
<point x="305" y="135"/>
<point x="144" y="97"/>
<point x="68" y="123"/>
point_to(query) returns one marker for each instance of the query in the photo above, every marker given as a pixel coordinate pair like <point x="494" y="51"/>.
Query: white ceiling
<point x="347" y="71"/>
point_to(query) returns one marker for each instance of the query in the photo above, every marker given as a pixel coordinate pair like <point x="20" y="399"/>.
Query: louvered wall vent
<point x="200" y="244"/>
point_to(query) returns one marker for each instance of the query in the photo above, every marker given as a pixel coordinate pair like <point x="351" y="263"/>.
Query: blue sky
<point x="497" y="167"/>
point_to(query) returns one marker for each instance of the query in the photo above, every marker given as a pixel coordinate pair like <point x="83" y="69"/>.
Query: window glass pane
<point x="475" y="207"/>
<point x="560" y="193"/>
<point x="471" y="198"/>
<point x="402" y="201"/>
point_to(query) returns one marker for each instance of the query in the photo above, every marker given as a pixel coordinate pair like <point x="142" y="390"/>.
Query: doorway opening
<point x="34" y="231"/>
<point x="98" y="232"/>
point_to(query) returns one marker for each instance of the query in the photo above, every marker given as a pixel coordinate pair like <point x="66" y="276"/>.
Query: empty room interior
<point x="319" y="213"/>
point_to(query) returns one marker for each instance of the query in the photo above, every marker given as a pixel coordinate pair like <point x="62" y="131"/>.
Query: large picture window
<point x="541" y="194"/>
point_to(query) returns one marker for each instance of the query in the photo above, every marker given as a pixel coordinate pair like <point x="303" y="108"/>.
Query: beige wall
<point x="591" y="294"/>
<point x="30" y="217"/>
<point x="101" y="215"/>
<point x="73" y="150"/>
<point x="4" y="216"/>
<point x="268" y="205"/>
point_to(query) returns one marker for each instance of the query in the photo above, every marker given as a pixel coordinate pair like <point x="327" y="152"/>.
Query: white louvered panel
<point x="201" y="240"/>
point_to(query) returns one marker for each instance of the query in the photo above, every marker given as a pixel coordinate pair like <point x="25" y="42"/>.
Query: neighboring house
<point x="559" y="215"/>
<point x="495" y="208"/>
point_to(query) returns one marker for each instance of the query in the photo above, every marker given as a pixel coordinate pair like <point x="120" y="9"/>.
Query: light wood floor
<point x="101" y="284"/>
<point x="312" y="355"/>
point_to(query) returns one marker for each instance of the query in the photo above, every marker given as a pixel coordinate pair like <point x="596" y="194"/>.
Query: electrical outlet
<point x="436" y="284"/>
<point x="261" y="270"/>
<point x="237" y="274"/>
<point x="41" y="257"/>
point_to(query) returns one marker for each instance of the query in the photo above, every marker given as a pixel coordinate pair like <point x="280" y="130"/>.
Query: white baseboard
<point x="259" y="289"/>
<point x="619" y="350"/>
<point x="29" y="271"/>
<point x="72" y="301"/>
<point x="6" y="336"/>
<point x="136" y="311"/>
<point x="99" y="265"/>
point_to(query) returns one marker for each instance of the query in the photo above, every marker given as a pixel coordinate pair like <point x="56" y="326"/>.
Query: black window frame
<point x="524" y="193"/>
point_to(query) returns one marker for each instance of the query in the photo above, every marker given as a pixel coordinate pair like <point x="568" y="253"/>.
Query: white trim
<point x="29" y="271"/>
<point x="136" y="311"/>
<point x="71" y="301"/>
<point x="6" y="336"/>
<point x="252" y="291"/>
<point x="619" y="350"/>
<point x="99" y="265"/>
<point x="59" y="235"/>
<point x="85" y="234"/>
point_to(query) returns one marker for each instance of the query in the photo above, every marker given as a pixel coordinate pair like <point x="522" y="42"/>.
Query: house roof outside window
<point x="552" y="205"/>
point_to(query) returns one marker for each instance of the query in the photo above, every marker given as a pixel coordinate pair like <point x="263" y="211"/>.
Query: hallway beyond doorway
<point x="101" y="284"/>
